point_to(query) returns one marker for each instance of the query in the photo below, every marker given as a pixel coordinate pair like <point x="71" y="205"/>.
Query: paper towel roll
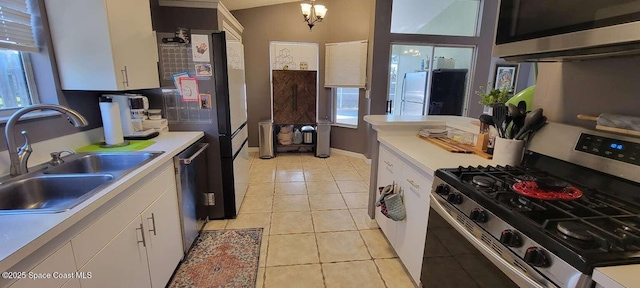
<point x="110" y="112"/>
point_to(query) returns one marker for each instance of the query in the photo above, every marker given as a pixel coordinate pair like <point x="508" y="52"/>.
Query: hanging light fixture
<point x="313" y="13"/>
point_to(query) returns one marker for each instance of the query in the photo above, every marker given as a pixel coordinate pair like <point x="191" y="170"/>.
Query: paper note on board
<point x="189" y="89"/>
<point x="200" y="48"/>
<point x="176" y="79"/>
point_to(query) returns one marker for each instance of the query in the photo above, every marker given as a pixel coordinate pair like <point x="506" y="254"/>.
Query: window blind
<point x="346" y="64"/>
<point x="16" y="30"/>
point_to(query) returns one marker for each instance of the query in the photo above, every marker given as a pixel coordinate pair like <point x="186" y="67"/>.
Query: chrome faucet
<point x="20" y="156"/>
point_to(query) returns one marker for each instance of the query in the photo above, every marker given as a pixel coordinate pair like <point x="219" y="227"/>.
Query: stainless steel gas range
<point x="572" y="206"/>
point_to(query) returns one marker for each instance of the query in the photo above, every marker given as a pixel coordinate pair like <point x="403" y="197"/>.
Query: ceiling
<point x="244" y="4"/>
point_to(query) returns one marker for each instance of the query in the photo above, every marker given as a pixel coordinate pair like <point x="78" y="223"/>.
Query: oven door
<point x="455" y="257"/>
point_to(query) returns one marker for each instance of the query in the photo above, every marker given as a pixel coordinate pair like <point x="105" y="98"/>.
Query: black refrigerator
<point x="219" y="110"/>
<point x="447" y="92"/>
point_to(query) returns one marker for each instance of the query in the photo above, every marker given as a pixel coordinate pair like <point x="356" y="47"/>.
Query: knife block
<point x="482" y="142"/>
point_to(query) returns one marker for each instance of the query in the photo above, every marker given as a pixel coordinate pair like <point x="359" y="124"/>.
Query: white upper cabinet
<point x="104" y="44"/>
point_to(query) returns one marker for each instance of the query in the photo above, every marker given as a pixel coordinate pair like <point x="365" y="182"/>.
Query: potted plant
<point x="493" y="97"/>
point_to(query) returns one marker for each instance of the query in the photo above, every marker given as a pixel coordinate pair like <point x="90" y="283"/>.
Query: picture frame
<point x="505" y="76"/>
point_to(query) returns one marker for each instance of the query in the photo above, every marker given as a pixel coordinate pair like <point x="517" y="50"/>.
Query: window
<point x="429" y="79"/>
<point x="435" y="17"/>
<point x="345" y="74"/>
<point x="15" y="91"/>
<point x="346" y="105"/>
<point x="16" y="40"/>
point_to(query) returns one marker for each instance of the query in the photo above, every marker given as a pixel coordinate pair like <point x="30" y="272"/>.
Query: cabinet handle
<point x="388" y="164"/>
<point x="153" y="223"/>
<point x="413" y="184"/>
<point x="144" y="241"/>
<point x="125" y="76"/>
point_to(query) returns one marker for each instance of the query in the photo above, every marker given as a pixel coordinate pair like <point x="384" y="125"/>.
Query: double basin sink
<point x="53" y="189"/>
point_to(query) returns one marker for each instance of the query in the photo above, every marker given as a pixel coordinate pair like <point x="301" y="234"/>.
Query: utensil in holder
<point x="508" y="151"/>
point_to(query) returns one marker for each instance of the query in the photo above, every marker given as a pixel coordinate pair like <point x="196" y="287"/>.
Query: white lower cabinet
<point x="122" y="263"/>
<point x="408" y="236"/>
<point x="389" y="170"/>
<point x="164" y="241"/>
<point x="60" y="261"/>
<point x="137" y="243"/>
<point x="411" y="234"/>
<point x="148" y="250"/>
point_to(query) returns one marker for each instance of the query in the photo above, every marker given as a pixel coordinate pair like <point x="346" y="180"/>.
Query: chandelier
<point x="313" y="13"/>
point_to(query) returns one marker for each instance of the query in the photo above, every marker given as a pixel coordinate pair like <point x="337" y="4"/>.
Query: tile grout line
<point x="310" y="211"/>
<point x="315" y="236"/>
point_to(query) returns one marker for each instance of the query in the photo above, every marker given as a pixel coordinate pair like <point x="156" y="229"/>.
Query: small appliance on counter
<point x="132" y="119"/>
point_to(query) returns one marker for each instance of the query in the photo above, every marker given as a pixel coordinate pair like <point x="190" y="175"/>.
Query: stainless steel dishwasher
<point x="191" y="170"/>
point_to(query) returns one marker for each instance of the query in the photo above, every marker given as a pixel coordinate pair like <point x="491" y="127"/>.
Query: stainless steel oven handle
<point x="188" y="161"/>
<point x="437" y="205"/>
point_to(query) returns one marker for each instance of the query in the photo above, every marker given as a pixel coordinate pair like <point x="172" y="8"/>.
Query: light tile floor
<point x="317" y="231"/>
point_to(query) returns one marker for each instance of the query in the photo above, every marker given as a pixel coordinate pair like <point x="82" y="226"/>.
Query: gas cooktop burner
<point x="483" y="181"/>
<point x="575" y="230"/>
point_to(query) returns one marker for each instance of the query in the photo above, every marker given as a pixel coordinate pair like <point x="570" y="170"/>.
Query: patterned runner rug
<point x="221" y="258"/>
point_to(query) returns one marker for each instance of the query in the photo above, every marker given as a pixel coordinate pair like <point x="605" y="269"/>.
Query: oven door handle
<point x="443" y="212"/>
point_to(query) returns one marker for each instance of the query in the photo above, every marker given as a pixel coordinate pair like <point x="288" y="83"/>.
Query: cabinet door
<point x="135" y="53"/>
<point x="389" y="168"/>
<point x="294" y="97"/>
<point x="60" y="261"/>
<point x="122" y="263"/>
<point x="305" y="98"/>
<point x="164" y="237"/>
<point x="411" y="232"/>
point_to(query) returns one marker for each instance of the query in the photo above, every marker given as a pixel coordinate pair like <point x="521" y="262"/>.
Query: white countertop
<point x="22" y="234"/>
<point x="393" y="122"/>
<point x="626" y="276"/>
<point x="427" y="156"/>
<point x="421" y="153"/>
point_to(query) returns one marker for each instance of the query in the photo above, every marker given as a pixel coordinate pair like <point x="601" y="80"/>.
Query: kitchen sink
<point x="53" y="189"/>
<point x="102" y="163"/>
<point x="49" y="193"/>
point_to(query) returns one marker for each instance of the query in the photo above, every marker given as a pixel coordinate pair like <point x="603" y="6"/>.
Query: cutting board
<point x="455" y="147"/>
<point x="135" y="145"/>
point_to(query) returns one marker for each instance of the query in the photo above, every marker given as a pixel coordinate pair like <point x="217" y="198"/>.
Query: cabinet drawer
<point x="414" y="182"/>
<point x="98" y="234"/>
<point x="60" y="261"/>
<point x="388" y="164"/>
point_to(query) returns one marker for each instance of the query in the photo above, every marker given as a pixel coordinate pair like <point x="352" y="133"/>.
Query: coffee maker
<point x="132" y="114"/>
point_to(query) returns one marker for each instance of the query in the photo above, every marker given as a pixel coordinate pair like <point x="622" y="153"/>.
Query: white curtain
<point x="16" y="26"/>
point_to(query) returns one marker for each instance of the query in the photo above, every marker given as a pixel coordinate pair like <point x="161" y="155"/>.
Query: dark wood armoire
<point x="294" y="96"/>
